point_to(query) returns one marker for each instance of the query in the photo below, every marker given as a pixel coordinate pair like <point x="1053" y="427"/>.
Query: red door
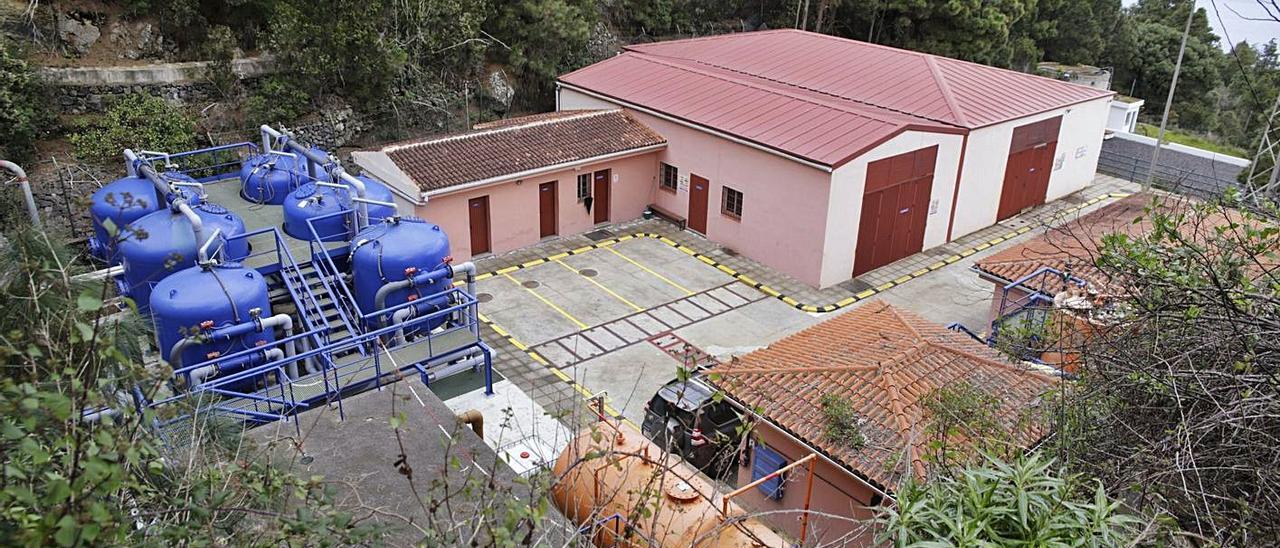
<point x="1026" y="175"/>
<point x="895" y="208"/>
<point x="699" y="190"/>
<point x="547" y="209"/>
<point x="601" y="191"/>
<point x="479" y="212"/>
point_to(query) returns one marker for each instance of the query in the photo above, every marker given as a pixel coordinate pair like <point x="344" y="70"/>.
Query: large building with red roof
<point x="825" y="157"/>
<point x="821" y="157"/>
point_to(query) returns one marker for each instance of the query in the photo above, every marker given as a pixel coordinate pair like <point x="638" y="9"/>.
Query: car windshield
<point x="690" y="394"/>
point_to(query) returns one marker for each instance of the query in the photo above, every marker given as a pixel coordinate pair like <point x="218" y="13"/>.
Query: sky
<point x="1237" y="26"/>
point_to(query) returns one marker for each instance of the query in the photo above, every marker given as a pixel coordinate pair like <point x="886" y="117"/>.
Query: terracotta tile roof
<point x="507" y="147"/>
<point x="1073" y="246"/>
<point x="821" y="98"/>
<point x="886" y="362"/>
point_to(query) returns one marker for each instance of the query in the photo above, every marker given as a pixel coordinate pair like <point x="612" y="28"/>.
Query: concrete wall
<point x="1118" y="118"/>
<point x="513" y="205"/>
<point x="835" y="491"/>
<point x="987" y="154"/>
<point x="784" y="205"/>
<point x="849" y="182"/>
<point x="80" y="90"/>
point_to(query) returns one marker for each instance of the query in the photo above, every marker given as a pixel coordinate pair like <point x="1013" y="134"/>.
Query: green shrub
<point x="276" y="101"/>
<point x="140" y="122"/>
<point x="23" y="115"/>
<point x="841" y="422"/>
<point x="1018" y="503"/>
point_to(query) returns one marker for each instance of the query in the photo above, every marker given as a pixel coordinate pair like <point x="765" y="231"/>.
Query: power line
<point x="1257" y="102"/>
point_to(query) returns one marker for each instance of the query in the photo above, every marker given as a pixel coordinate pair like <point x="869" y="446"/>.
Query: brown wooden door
<point x="1026" y="175"/>
<point x="547" y="209"/>
<point x="895" y="209"/>
<point x="699" y="191"/>
<point x="479" y="212"/>
<point x="600" y="190"/>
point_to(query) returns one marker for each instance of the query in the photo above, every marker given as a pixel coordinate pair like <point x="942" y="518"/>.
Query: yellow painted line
<point x="561" y="374"/>
<point x="864" y="294"/>
<point x="582" y="249"/>
<point x="809" y="308"/>
<point x="627" y="237"/>
<point x="769" y="291"/>
<point x="790" y="301"/>
<point x="647" y="269"/>
<point x="668" y="241"/>
<point x="968" y="252"/>
<point x="901" y="280"/>
<point x="885" y="286"/>
<point x="534" y="262"/>
<point x="979" y="247"/>
<point x="557" y="256"/>
<point x="746" y="279"/>
<point x="499" y="330"/>
<point x="547" y="302"/>
<point x="687" y="251"/>
<point x="919" y="273"/>
<point x="726" y="270"/>
<point x="507" y="270"/>
<point x="937" y="265"/>
<point x="624" y="300"/>
<point x="846" y="302"/>
<point x="706" y="259"/>
<point x="538" y="358"/>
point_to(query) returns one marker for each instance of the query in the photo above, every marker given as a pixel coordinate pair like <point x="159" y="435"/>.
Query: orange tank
<point x="635" y="494"/>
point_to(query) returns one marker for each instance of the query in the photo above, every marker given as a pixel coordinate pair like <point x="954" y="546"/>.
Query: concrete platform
<point x="358" y="457"/>
<point x="256" y="216"/>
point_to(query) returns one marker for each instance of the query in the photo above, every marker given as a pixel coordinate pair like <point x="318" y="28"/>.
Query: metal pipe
<point x="401" y="316"/>
<point x="473" y="418"/>
<point x="98" y="275"/>
<point x="202" y="255"/>
<point x="130" y="163"/>
<point x="392" y="205"/>
<point x="469" y="270"/>
<point x="454" y="368"/>
<point x="32" y="210"/>
<point x="422" y="278"/>
<point x="268" y="355"/>
<point x="285" y="323"/>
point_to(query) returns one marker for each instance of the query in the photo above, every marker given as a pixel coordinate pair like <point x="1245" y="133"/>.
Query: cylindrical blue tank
<point x="270" y="178"/>
<point x="382" y="252"/>
<point x="311" y="201"/>
<point x="169" y="245"/>
<point x="222" y="295"/>
<point x="378" y="192"/>
<point x="126" y="200"/>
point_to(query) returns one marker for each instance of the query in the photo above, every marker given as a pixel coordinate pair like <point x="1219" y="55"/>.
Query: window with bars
<point x="670" y="177"/>
<point x="584" y="186"/>
<point x="731" y="203"/>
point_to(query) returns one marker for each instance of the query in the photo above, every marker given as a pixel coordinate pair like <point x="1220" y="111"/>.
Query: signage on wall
<point x="933" y="206"/>
<point x="1080" y="152"/>
<point x="615" y="178"/>
<point x="1057" y="162"/>
<point x="683" y="182"/>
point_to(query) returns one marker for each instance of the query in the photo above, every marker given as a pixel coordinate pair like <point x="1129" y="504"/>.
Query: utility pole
<point x="1168" y="102"/>
<point x="1264" y="175"/>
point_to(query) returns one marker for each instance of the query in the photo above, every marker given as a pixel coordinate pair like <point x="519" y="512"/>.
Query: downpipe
<point x="32" y="210"/>
<point x="197" y="224"/>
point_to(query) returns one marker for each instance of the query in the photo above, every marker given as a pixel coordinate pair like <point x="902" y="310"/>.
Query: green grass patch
<point x="1174" y="136"/>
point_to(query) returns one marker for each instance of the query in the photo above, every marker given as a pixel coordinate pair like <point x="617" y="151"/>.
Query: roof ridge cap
<point x="989" y="361"/>
<point x="504" y="129"/>
<point x="943" y="86"/>
<point x="672" y="61"/>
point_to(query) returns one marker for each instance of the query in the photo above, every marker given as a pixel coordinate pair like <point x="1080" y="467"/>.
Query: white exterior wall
<point x="849" y="181"/>
<point x="987" y="154"/>
<point x="1119" y="118"/>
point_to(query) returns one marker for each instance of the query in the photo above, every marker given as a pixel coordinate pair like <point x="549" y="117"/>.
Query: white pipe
<point x="454" y="368"/>
<point x="285" y="323"/>
<point x="398" y="318"/>
<point x="202" y="255"/>
<point x="130" y="160"/>
<point x="468" y="269"/>
<point x="197" y="224"/>
<point x="198" y="186"/>
<point x="337" y="173"/>
<point x="97" y="275"/>
<point x="32" y="211"/>
<point x="395" y="210"/>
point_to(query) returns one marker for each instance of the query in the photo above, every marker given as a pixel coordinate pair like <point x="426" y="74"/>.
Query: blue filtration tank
<point x="382" y="252"/>
<point x="221" y="295"/>
<point x="124" y="201"/>
<point x="311" y="201"/>
<point x="270" y="178"/>
<point x="170" y="246"/>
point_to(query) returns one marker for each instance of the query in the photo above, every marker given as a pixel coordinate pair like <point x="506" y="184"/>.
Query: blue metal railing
<point x="322" y="261"/>
<point x="278" y="398"/>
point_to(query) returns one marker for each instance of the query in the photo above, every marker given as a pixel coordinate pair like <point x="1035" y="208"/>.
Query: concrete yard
<point x="597" y="315"/>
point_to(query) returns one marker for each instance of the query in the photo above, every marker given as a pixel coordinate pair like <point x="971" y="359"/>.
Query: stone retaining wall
<point x="84" y="90"/>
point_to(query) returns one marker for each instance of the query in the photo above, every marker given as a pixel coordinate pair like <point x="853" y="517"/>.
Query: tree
<point x="1081" y="31"/>
<point x="22" y="112"/>
<point x="138" y="121"/>
<point x="1178" y="390"/>
<point x="998" y="503"/>
<point x="1148" y="71"/>
<point x="338" y="46"/>
<point x="1001" y="33"/>
<point x="547" y="38"/>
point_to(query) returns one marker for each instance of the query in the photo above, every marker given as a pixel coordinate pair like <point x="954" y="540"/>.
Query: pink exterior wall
<point x="835" y="492"/>
<point x="784" y="204"/>
<point x="513" y="207"/>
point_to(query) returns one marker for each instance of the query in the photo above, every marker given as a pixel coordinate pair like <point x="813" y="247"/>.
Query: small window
<point x="584" y="186"/>
<point x="731" y="203"/>
<point x="670" y="176"/>
<point x="768" y="461"/>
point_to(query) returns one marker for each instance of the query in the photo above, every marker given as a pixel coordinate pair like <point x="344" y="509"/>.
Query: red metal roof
<point x="818" y="97"/>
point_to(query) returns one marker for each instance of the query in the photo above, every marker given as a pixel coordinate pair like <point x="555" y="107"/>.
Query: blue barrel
<point x="270" y="178"/>
<point x="218" y="296"/>
<point x="378" y="192"/>
<point x="169" y="245"/>
<point x="311" y="201"/>
<point x="124" y="201"/>
<point x="382" y="252"/>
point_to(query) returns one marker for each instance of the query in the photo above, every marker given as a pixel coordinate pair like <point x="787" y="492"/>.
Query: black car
<point x="687" y="419"/>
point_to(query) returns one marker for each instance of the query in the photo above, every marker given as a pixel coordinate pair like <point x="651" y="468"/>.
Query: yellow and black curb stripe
<point x="564" y="377"/>
<point x="759" y="286"/>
